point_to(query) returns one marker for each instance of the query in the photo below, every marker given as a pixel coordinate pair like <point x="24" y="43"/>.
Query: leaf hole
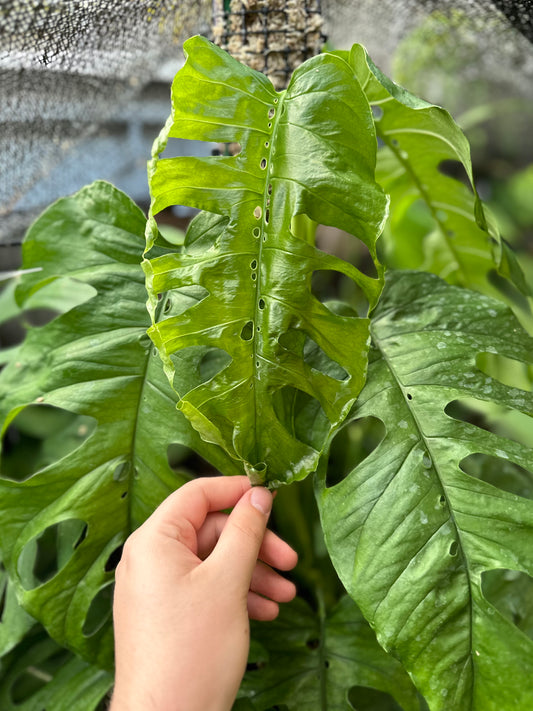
<point x="298" y="342"/>
<point x="247" y="332"/>
<point x="504" y="421"/>
<point x="113" y="559"/>
<point x="167" y="306"/>
<point x="271" y="113"/>
<point x="409" y="396"/>
<point x="212" y="363"/>
<point x="261" y="304"/>
<point x="270" y="124"/>
<point x="45" y="555"/>
<point x="313" y="643"/>
<point x="267" y="144"/>
<point x="256" y="232"/>
<point x="454" y="169"/>
<point x="454" y="547"/>
<point x="342" y="244"/>
<point x="511" y="593"/>
<point x="352" y="445"/>
<point x="302" y="415"/>
<point x="258" y="212"/>
<point x="269" y="189"/>
<point x="99" y="612"/>
<point x="377" y="112"/>
<point x="363" y="698"/>
<point x="338" y="293"/>
<point x="254" y="276"/>
<point x="267" y="216"/>
<point x="39" y="436"/>
<point x="508" y="371"/>
<point x="442" y="500"/>
<point x="263" y="163"/>
<point x="253" y="264"/>
<point x="499" y="472"/>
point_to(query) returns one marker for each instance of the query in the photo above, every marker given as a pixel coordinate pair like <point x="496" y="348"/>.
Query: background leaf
<point x="94" y="368"/>
<point x="309" y="150"/>
<point x="424" y="161"/>
<point x="414" y="537"/>
<point x="306" y="660"/>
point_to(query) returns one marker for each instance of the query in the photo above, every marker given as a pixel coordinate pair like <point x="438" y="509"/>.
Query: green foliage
<point x="309" y="151"/>
<point x="88" y="491"/>
<point x="425" y="491"/>
<point x="410" y="531"/>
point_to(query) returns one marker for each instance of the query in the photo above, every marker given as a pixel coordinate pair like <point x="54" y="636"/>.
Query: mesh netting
<point x="69" y="68"/>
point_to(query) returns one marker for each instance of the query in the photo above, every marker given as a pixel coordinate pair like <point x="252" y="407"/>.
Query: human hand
<point x="188" y="581"/>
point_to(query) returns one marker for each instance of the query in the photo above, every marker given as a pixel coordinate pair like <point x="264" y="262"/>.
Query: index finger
<point x="191" y="503"/>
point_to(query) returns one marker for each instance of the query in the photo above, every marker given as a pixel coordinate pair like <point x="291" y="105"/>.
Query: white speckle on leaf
<point x="492" y="312"/>
<point x="426" y="461"/>
<point x="402" y="424"/>
<point x="477" y="653"/>
<point x="423" y="518"/>
<point x="441" y="345"/>
<point x="502" y="454"/>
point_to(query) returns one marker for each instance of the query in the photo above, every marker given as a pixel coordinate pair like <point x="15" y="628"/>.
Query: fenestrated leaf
<point x="410" y="533"/>
<point x="309" y="150"/>
<point x="39" y="675"/>
<point x="306" y="661"/>
<point x="420" y="142"/>
<point x="95" y="361"/>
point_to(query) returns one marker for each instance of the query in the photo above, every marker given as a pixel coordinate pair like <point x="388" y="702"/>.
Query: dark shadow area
<point x="351" y="446"/>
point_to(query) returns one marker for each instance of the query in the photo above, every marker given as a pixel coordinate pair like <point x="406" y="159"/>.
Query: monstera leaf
<point x="110" y="466"/>
<point x="39" y="675"/>
<point x="422" y="148"/>
<point x="309" y="150"/>
<point x="306" y="660"/>
<point x="415" y="538"/>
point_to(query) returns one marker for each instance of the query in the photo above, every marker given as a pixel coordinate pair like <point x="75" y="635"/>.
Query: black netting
<point x="84" y="84"/>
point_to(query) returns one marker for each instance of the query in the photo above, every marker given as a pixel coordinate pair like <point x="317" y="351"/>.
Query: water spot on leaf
<point x="352" y="445"/>
<point x="501" y="473"/>
<point x="45" y="555"/>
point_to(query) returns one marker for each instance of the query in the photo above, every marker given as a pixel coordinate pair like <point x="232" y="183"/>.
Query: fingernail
<point x="261" y="499"/>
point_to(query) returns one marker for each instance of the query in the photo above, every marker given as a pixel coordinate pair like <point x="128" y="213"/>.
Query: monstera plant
<point x="393" y="415"/>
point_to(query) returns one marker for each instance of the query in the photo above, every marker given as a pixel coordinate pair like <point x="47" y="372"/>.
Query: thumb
<point x="239" y="543"/>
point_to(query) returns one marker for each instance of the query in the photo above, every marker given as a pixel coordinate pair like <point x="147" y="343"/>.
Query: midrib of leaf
<point x="427" y="445"/>
<point x="419" y="186"/>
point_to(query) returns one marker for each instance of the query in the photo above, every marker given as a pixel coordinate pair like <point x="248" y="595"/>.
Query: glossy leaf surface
<point x="425" y="157"/>
<point x="306" y="661"/>
<point x="411" y="534"/>
<point x="309" y="150"/>
<point x="96" y="362"/>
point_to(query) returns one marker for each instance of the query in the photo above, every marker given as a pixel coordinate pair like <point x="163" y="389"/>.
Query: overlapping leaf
<point x="97" y="362"/>
<point x="309" y="150"/>
<point x="305" y="661"/>
<point x="420" y="143"/>
<point x="412" y="535"/>
<point x="39" y="675"/>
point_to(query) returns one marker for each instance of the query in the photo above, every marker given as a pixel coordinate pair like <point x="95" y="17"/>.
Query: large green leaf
<point x="97" y="363"/>
<point x="310" y="150"/>
<point x="39" y="675"/>
<point x="420" y="143"/>
<point x="307" y="661"/>
<point x="414" y="537"/>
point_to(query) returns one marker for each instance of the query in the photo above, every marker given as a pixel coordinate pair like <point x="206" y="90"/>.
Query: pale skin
<point x="189" y="580"/>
